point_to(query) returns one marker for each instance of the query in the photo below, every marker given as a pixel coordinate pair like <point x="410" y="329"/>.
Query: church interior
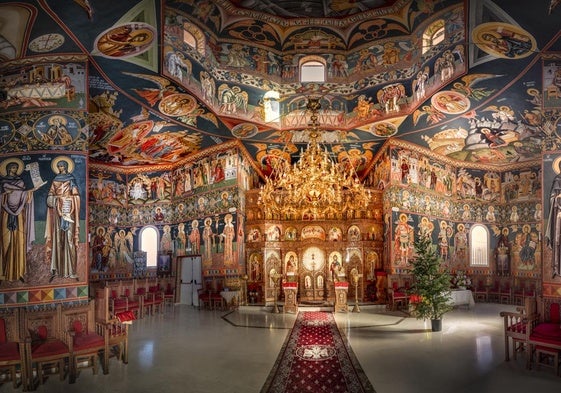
<point x="225" y="164"/>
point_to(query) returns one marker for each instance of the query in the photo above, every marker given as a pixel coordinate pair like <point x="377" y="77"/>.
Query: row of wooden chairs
<point x="505" y="290"/>
<point x="34" y="342"/>
<point x="210" y="300"/>
<point x="140" y="296"/>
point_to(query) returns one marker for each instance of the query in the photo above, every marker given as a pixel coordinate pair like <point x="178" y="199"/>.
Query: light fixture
<point x="315" y="187"/>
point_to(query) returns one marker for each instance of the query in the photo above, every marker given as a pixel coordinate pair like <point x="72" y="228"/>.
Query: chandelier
<point x="315" y="187"/>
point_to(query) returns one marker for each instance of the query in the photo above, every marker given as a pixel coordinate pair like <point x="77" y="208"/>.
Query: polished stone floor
<point x="187" y="350"/>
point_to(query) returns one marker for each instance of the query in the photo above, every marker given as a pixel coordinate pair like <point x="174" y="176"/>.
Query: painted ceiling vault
<point x="478" y="81"/>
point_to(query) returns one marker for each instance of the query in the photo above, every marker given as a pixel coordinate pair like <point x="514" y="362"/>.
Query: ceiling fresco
<point x="167" y="79"/>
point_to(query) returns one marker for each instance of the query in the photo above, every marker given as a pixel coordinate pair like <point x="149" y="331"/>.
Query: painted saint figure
<point x="228" y="234"/>
<point x="180" y="239"/>
<point x="195" y="237"/>
<point x="62" y="231"/>
<point x="553" y="231"/>
<point x="16" y="220"/>
<point x="404" y="237"/>
<point x="208" y="238"/>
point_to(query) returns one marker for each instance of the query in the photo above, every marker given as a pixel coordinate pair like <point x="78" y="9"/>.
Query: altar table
<point x="231" y="298"/>
<point x="461" y="297"/>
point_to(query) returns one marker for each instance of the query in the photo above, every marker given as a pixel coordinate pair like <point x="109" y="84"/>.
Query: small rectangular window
<point x="312" y="73"/>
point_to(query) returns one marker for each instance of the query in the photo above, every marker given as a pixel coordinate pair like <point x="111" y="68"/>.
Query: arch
<point x="194" y="37"/>
<point x="433" y="35"/>
<point x="479" y="245"/>
<point x="312" y="69"/>
<point x="149" y="240"/>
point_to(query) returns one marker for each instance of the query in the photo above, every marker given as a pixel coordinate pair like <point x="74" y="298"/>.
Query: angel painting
<point x="153" y="95"/>
<point x="433" y="115"/>
<point x="232" y="98"/>
<point x="466" y="86"/>
<point x="123" y="243"/>
<point x="389" y="97"/>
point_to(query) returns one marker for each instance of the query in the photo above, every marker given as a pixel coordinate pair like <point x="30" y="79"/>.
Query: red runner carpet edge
<point x="316" y="357"/>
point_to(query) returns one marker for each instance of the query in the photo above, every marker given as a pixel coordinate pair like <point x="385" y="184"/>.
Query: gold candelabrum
<point x="355" y="276"/>
<point x="276" y="280"/>
<point x="316" y="185"/>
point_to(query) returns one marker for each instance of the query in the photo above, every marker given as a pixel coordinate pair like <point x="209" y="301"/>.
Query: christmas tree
<point x="431" y="283"/>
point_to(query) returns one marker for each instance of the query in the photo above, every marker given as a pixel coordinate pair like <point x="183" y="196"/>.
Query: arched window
<point x="433" y="35"/>
<point x="312" y="69"/>
<point x="272" y="107"/>
<point x="479" y="245"/>
<point x="149" y="243"/>
<point x="194" y="37"/>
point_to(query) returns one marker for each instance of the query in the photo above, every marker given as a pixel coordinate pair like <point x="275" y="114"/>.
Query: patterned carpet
<point x="316" y="358"/>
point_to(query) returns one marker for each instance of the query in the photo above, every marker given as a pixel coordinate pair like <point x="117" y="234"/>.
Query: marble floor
<point x="198" y="351"/>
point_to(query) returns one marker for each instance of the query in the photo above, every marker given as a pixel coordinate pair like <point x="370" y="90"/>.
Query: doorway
<point x="191" y="280"/>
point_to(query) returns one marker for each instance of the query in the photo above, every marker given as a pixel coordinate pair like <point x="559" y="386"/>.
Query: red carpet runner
<point x="316" y="358"/>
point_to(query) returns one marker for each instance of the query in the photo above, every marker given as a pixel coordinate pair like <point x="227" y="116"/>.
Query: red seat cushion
<point x="547" y="333"/>
<point x="9" y="351"/>
<point x="48" y="348"/>
<point x="86" y="341"/>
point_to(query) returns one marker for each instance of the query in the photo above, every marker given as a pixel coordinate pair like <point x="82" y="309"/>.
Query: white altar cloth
<point x="462" y="297"/>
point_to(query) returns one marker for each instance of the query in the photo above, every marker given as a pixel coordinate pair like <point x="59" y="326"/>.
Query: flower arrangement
<point x="461" y="280"/>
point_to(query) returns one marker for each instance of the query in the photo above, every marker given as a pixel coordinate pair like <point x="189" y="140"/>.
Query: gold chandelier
<point x="315" y="187"/>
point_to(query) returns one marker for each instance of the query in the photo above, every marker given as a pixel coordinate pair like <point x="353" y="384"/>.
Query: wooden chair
<point x="147" y="300"/>
<point x="89" y="343"/>
<point x="530" y="290"/>
<point x="116" y="330"/>
<point x="545" y="336"/>
<point x="169" y="295"/>
<point x="117" y="302"/>
<point x="397" y="295"/>
<point x="156" y="296"/>
<point x="515" y="327"/>
<point x="46" y="345"/>
<point x="505" y="291"/>
<point x="134" y="301"/>
<point x="480" y="290"/>
<point x="518" y="291"/>
<point x="205" y="302"/>
<point x="12" y="348"/>
<point x="494" y="292"/>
